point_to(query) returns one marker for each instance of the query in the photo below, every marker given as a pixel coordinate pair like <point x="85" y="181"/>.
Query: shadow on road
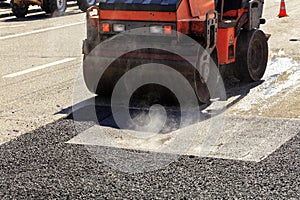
<point x="239" y="89"/>
<point x="37" y="17"/>
<point x="100" y="107"/>
<point x="4" y="5"/>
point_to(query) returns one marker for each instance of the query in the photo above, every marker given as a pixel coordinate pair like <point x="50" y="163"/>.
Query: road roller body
<point x="227" y="31"/>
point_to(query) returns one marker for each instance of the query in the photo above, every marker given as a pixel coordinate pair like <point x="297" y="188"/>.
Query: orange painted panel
<point x="225" y="39"/>
<point x="199" y="8"/>
<point x="183" y="11"/>
<point x="137" y="15"/>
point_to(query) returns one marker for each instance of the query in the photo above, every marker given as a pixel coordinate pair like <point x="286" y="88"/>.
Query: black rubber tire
<point x="18" y="11"/>
<point x="57" y="7"/>
<point x="85" y="4"/>
<point x="251" y="56"/>
<point x="200" y="86"/>
<point x="46" y="7"/>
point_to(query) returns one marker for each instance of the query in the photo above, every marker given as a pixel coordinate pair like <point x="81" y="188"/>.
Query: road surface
<point x="46" y="152"/>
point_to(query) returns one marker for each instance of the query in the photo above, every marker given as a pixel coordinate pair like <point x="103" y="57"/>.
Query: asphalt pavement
<point x="37" y="69"/>
<point x="41" y="165"/>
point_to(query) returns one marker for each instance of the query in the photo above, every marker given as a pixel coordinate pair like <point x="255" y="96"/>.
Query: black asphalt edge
<point x="10" y="14"/>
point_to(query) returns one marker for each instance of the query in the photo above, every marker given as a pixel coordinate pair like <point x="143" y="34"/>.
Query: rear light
<point x="161" y="29"/>
<point x="118" y="27"/>
<point x="106" y="27"/>
<point x="156" y="29"/>
<point x="168" y="29"/>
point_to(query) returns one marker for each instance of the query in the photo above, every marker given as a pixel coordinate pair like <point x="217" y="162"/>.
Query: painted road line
<point x="39" y="31"/>
<point x="38" y="68"/>
<point x="13" y="26"/>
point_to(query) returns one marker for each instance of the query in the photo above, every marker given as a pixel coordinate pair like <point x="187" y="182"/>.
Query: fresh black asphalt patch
<point x="40" y="165"/>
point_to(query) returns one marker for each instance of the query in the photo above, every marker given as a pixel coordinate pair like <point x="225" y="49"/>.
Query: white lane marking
<point x="38" y="68"/>
<point x="39" y="31"/>
<point x="13" y="26"/>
